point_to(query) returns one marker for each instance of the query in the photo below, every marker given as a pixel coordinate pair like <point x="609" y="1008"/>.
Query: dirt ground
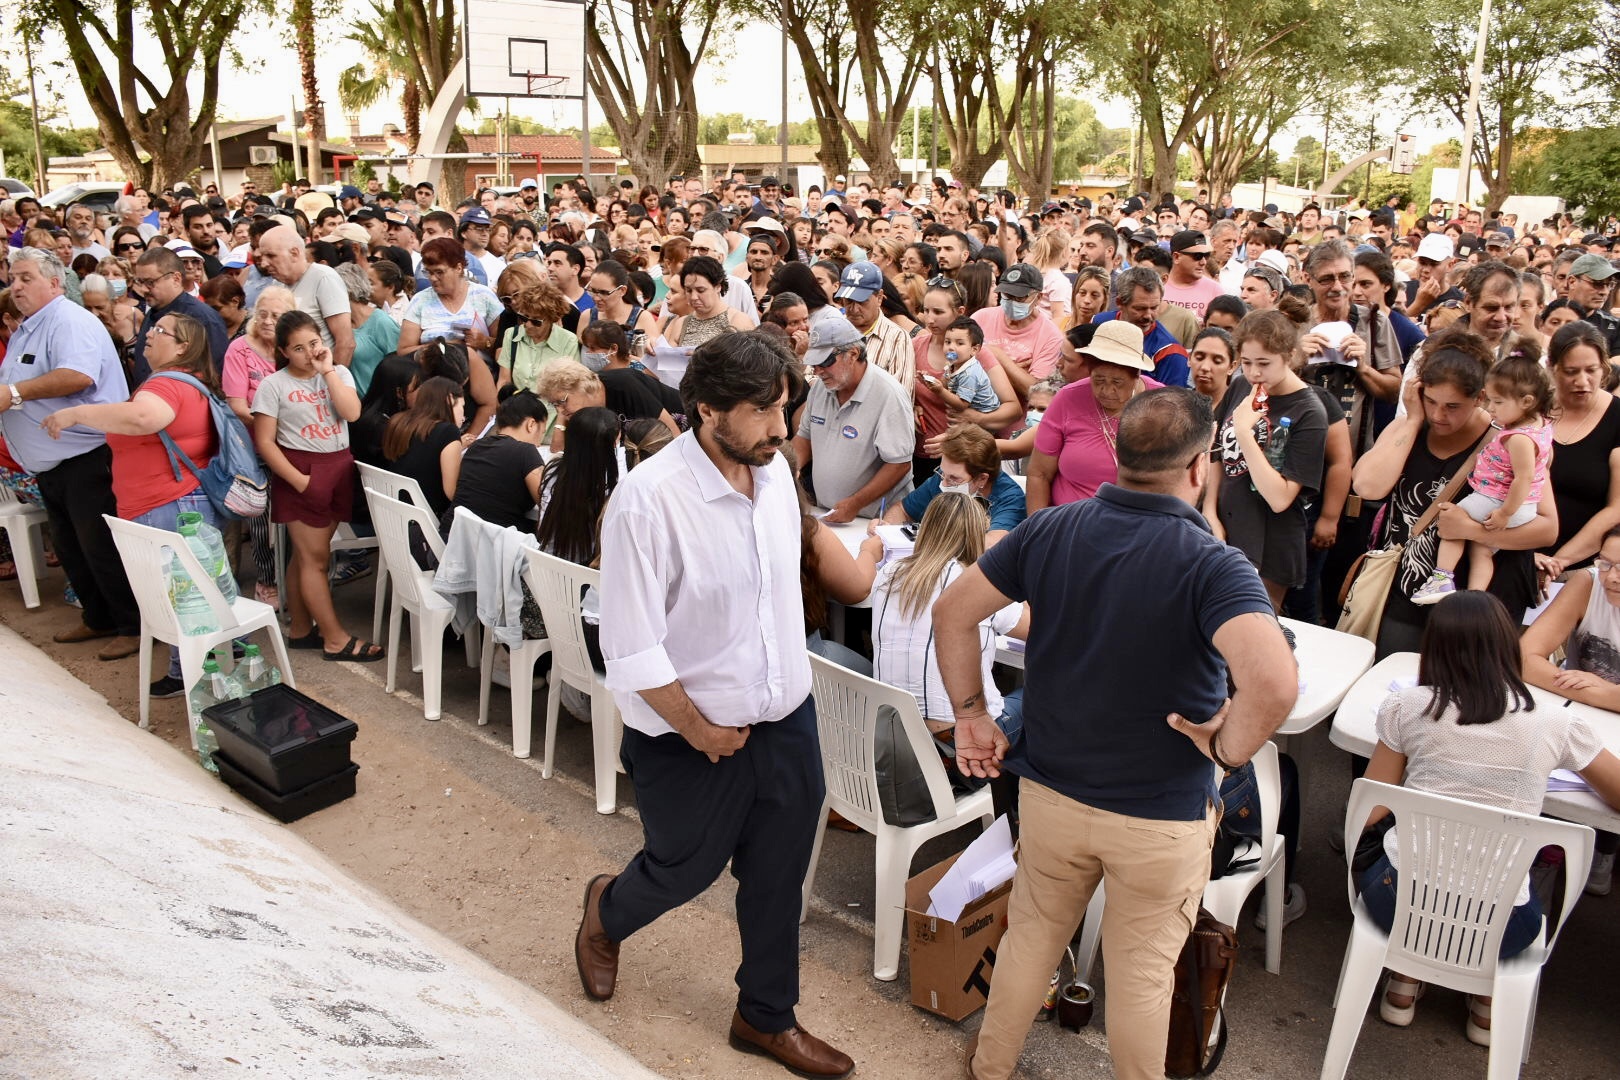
<point x="479" y="846"/>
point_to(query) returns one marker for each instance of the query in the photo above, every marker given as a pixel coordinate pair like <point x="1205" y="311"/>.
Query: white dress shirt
<point x="701" y="584"/>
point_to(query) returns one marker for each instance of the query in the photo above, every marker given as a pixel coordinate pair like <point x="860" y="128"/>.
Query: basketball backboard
<point x="525" y="48"/>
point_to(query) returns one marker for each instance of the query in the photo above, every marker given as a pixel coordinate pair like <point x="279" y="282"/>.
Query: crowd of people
<point x="1157" y="417"/>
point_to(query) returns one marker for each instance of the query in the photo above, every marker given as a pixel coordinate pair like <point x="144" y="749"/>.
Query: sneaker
<point x="352" y="570"/>
<point x="167" y="687"/>
<point x="1601" y="880"/>
<point x="1439" y="586"/>
<point x="1293" y="907"/>
<point x="71" y="598"/>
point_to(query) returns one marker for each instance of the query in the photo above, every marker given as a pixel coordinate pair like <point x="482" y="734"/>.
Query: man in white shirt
<point x="703" y="636"/>
<point x="475" y="229"/>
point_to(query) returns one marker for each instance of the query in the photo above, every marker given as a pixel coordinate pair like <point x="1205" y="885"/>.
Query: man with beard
<point x="761" y="261"/>
<point x="529" y="196"/>
<point x="700" y="554"/>
<point x="857" y="426"/>
<point x="81" y="227"/>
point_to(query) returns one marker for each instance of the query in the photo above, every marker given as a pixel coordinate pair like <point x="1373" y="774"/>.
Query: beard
<point x="757" y="455"/>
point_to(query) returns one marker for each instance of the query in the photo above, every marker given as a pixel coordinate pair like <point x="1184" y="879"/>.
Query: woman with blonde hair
<point x="1048" y="256"/>
<point x="949" y="540"/>
<point x="886" y="254"/>
<point x="1090" y="294"/>
<point x="567" y="386"/>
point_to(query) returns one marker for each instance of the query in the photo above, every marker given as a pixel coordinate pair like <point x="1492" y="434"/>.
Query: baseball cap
<point x="1496" y="239"/>
<point x="369" y="213"/>
<point x="859" y="281"/>
<point x="1133" y="205"/>
<point x="1189" y="242"/>
<point x="239" y="257"/>
<point x="1083" y="203"/>
<point x="1596" y="238"/>
<point x="1593" y="268"/>
<point x="475" y="215"/>
<point x="839" y="178"/>
<point x="1051" y="208"/>
<point x="1020" y="280"/>
<point x="352" y="232"/>
<point x="184" y="250"/>
<point x="396" y="217"/>
<point x="832" y="334"/>
<point x="1147" y="234"/>
<point x="1436" y="246"/>
<point x="528" y="182"/>
<point x="1467" y="244"/>
<point x="1275" y="259"/>
<point x="349" y="191"/>
<point x="1118" y="342"/>
<point x="771" y="181"/>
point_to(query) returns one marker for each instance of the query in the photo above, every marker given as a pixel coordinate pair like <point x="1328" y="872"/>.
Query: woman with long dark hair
<point x="417" y="442"/>
<point x="576" y="484"/>
<point x="1471" y="729"/>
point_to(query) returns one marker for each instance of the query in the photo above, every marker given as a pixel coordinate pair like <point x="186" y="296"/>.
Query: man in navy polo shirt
<point x="1137" y="612"/>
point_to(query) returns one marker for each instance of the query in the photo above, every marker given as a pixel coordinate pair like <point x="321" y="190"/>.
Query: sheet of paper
<point x="1334" y="332"/>
<point x="1564" y="780"/>
<point x="669" y="362"/>
<point x="975" y="872"/>
<point x="1552" y="592"/>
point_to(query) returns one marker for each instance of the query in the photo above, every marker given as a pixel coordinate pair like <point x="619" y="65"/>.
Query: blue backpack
<point x="235" y="481"/>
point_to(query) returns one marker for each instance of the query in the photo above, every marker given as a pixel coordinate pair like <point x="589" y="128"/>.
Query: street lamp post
<point x="1475" y="74"/>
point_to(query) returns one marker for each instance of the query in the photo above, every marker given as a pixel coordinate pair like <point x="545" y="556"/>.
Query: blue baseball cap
<point x="475" y="215"/>
<point x="859" y="281"/>
<point x="349" y="191"/>
<point x="528" y="182"/>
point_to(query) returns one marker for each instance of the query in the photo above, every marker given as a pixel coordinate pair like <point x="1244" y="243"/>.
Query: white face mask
<point x="118" y="287"/>
<point x="1033" y="416"/>
<point x="1016" y="310"/>
<point x="596" y="361"/>
<point x="954" y="489"/>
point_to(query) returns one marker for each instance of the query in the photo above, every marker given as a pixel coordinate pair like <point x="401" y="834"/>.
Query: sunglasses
<point x="603" y="294"/>
<point x="1200" y="256"/>
<point x="129" y="247"/>
<point x="940" y="281"/>
<point x="535" y="321"/>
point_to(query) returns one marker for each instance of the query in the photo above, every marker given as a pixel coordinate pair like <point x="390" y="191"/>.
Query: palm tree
<point x="387" y="63"/>
<point x="303" y="24"/>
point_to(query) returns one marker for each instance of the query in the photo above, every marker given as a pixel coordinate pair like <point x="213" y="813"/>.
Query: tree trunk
<point x="303" y="19"/>
<point x="834" y="153"/>
<point x="453" y="179"/>
<point x="411" y="105"/>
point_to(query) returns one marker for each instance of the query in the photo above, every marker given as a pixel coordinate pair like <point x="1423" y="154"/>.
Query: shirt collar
<point x="711" y="484"/>
<point x="1152" y="502"/>
<point x="52" y="302"/>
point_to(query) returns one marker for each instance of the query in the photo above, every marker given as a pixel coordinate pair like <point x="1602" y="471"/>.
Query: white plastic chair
<point x="395" y="486"/>
<point x="24" y="524"/>
<point x="142" y="548"/>
<point x="1461" y="865"/>
<point x="847" y="707"/>
<point x="1224" y="897"/>
<point x="557" y="585"/>
<point x="431" y="613"/>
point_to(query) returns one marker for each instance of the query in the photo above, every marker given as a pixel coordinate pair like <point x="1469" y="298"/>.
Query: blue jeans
<point x="167" y="518"/>
<point x="1377" y="889"/>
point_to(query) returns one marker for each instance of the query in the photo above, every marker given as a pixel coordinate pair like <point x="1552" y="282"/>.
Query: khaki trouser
<point x="1156" y="872"/>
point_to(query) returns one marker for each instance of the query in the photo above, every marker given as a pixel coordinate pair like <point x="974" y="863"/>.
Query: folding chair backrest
<point x="847" y="707"/>
<point x="8" y="497"/>
<point x="1461" y="865"/>
<point x="392" y="520"/>
<point x="558" y="585"/>
<point x="1268" y="781"/>
<point x="145" y="554"/>
<point x="391" y="484"/>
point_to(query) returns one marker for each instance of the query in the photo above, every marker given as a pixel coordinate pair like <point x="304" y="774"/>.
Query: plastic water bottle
<point x="210" y="551"/>
<point x="191" y="608"/>
<point x="256" y="673"/>
<point x="214" y="687"/>
<point x="1277" y="445"/>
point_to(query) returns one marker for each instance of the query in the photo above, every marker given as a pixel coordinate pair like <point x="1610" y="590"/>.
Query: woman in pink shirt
<point x="1075" y="444"/>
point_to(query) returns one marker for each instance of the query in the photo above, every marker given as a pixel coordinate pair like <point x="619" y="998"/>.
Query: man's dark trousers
<point x="76" y="493"/>
<point x="758" y="808"/>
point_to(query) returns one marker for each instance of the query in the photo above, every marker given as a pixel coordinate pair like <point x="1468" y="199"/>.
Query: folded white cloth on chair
<point x="482" y="574"/>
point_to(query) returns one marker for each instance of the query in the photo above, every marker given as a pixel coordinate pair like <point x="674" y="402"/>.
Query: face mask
<point x="1033" y="416"/>
<point x="952" y="356"/>
<point x="1016" y="310"/>
<point x="118" y="287"/>
<point x="596" y="361"/>
<point x="953" y="489"/>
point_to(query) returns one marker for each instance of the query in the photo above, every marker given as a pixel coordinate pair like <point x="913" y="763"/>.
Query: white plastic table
<point x="1329" y="665"/>
<point x="1355" y="729"/>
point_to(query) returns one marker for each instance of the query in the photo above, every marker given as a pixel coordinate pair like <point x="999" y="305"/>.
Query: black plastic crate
<point x="283" y="739"/>
<point x="292" y="805"/>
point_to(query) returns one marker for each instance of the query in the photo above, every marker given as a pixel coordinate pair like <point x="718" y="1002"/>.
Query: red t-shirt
<point x="143" y="479"/>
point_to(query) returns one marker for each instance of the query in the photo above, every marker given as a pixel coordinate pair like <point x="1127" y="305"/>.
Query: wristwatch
<point x="16" y="395"/>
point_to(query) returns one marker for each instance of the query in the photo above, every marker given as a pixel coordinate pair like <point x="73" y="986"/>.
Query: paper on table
<point x="1335" y="332"/>
<point x="895" y="541"/>
<point x="1552" y="593"/>
<point x="975" y="872"/>
<point x="1564" y="780"/>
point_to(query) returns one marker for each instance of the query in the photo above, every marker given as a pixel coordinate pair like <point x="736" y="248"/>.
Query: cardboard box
<point x="951" y="962"/>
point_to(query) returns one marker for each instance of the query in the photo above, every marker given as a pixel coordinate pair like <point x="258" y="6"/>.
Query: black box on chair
<point x="282" y="739"/>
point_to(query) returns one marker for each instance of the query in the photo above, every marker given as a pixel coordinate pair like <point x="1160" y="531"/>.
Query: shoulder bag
<point x="1366" y="587"/>
<point x="1203" y="971"/>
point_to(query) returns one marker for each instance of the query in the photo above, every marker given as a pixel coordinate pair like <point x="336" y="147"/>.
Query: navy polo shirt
<point x="1007" y="507"/>
<point x="1126" y="592"/>
<point x="193" y="308"/>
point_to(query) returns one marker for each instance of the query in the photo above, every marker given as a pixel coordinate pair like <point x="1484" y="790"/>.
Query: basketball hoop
<point x="539" y="84"/>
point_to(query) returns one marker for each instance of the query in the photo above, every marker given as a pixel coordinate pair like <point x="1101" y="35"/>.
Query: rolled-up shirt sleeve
<point x="635" y="586"/>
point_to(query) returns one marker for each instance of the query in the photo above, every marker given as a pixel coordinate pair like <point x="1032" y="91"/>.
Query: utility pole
<point x="1366" y="184"/>
<point x="784" y="136"/>
<point x="40" y="186"/>
<point x="1466" y="171"/>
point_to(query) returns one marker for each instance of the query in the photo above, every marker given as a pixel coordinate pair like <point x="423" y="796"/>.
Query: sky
<point x="730" y="80"/>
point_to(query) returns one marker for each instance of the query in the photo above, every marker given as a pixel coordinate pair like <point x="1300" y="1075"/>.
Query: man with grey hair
<point x="81" y="227"/>
<point x="62" y="356"/>
<point x="1368" y="364"/>
<point x="131" y="213"/>
<point x="319" y="291"/>
<point x="1138" y="295"/>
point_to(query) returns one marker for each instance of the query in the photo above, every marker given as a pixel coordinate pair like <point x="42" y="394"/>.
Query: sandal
<point x="1479" y="1020"/>
<point x="1401" y="986"/>
<point x="311" y="640"/>
<point x="8" y="571"/>
<point x="357" y="651"/>
<point x="51" y="559"/>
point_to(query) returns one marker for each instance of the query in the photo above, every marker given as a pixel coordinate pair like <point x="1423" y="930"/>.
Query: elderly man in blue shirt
<point x="59" y="357"/>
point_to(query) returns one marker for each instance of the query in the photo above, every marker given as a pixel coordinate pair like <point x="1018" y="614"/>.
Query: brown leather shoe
<point x="967" y="1058"/>
<point x="80" y="633"/>
<point x="596" y="955"/>
<point x="796" y="1049"/>
<point x="120" y="647"/>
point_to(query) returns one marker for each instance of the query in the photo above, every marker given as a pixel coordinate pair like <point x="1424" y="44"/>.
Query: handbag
<point x="1366" y="587"/>
<point x="234" y="481"/>
<point x="1203" y="971"/>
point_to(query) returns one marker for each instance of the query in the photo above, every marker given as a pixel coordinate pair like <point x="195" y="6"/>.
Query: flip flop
<point x="8" y="571"/>
<point x="311" y="640"/>
<point x="356" y="651"/>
